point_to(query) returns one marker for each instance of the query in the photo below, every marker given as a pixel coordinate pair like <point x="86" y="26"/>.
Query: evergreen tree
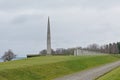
<point x="118" y="44"/>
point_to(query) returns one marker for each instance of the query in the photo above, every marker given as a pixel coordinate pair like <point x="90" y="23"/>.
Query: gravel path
<point x="92" y="73"/>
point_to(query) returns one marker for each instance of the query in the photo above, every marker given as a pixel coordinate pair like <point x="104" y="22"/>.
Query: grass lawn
<point x="113" y="75"/>
<point x="50" y="67"/>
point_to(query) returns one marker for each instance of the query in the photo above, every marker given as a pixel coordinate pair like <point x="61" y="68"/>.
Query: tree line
<point x="111" y="48"/>
<point x="59" y="51"/>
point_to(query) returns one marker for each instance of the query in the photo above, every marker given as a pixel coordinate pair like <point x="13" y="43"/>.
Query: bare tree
<point x="93" y="47"/>
<point x="8" y="56"/>
<point x="60" y="51"/>
<point x="44" y="52"/>
<point x="115" y="48"/>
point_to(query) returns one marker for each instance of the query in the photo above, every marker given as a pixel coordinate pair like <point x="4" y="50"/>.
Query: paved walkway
<point x="92" y="73"/>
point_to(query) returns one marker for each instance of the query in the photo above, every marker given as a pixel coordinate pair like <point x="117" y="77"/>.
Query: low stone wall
<point x="79" y="52"/>
<point x="33" y="55"/>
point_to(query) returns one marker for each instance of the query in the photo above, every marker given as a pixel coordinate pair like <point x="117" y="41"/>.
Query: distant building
<point x="78" y="52"/>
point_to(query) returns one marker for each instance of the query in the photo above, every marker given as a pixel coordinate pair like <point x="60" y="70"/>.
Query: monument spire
<point x="48" y="38"/>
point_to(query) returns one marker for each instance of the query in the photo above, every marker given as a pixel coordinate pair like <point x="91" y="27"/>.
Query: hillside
<point x="113" y="75"/>
<point x="49" y="67"/>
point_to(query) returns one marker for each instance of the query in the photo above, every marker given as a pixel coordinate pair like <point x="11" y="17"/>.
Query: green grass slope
<point x="50" y="67"/>
<point x="113" y="75"/>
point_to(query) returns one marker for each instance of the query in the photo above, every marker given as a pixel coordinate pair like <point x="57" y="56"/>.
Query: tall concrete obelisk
<point x="48" y="38"/>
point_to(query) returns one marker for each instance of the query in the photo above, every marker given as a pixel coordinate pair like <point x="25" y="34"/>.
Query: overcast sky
<point x="74" y="23"/>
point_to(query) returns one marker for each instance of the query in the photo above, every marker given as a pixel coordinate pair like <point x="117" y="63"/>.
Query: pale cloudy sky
<point x="74" y="23"/>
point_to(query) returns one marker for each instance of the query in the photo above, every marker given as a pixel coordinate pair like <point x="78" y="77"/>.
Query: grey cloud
<point x="73" y="23"/>
<point x="54" y="4"/>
